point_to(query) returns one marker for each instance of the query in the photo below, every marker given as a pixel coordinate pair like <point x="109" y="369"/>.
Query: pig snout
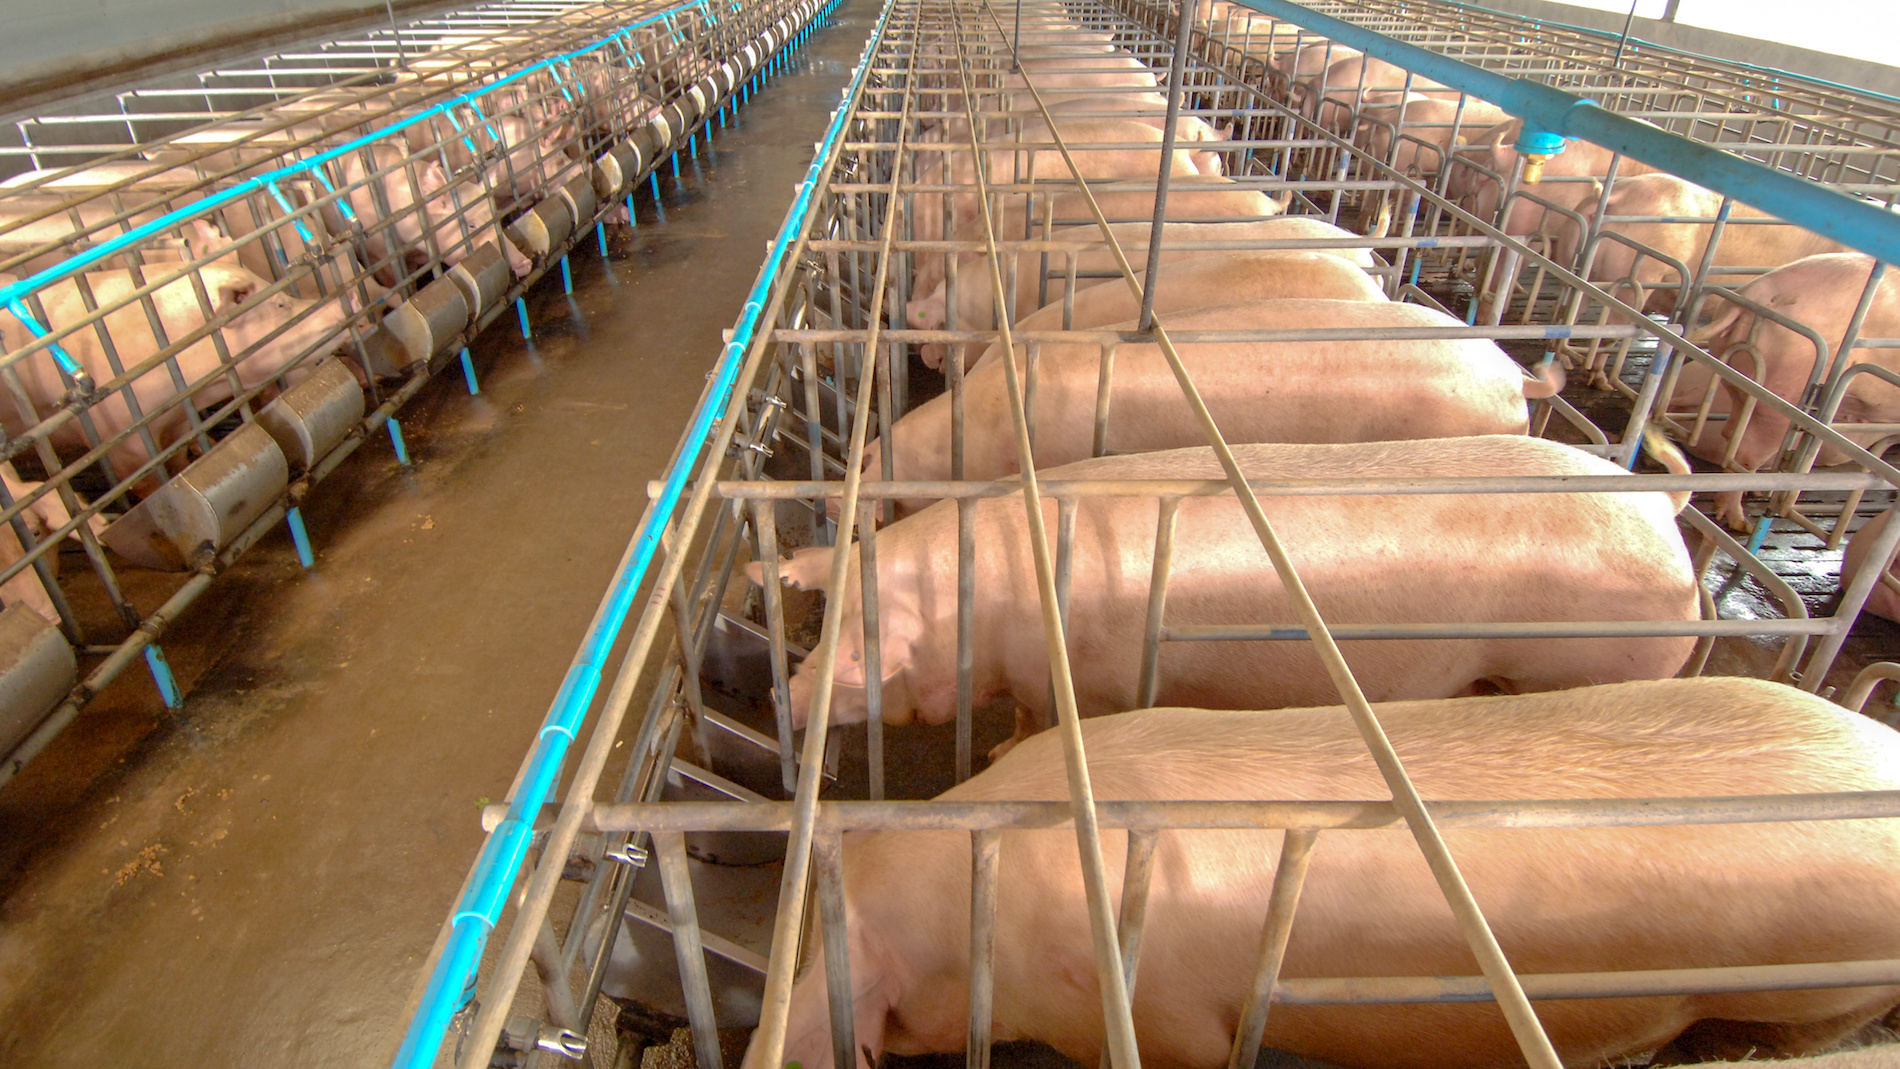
<point x="517" y="261"/>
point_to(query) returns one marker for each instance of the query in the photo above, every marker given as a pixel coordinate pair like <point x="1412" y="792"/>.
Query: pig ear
<point x="234" y="291"/>
<point x="432" y="178"/>
<point x="204" y="237"/>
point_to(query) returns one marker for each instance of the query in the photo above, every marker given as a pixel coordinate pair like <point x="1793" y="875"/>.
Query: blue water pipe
<point x="1832" y="214"/>
<point x="451" y="983"/>
<point x="162" y="675"/>
<point x="12" y="295"/>
<point x="395" y="441"/>
<point x="299" y="537"/>
<point x="468" y="373"/>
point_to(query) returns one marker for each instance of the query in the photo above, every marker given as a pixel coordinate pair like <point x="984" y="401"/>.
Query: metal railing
<point x="173" y="287"/>
<point x="825" y="368"/>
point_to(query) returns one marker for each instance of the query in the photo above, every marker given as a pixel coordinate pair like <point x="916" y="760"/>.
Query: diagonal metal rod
<point x="1117" y="1017"/>
<point x="793" y="887"/>
<point x="1177" y="75"/>
<point x="1497" y="970"/>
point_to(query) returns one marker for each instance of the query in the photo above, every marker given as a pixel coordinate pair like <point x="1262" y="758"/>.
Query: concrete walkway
<point x="255" y="880"/>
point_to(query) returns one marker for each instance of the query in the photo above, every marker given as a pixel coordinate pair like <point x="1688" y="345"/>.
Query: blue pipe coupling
<point x="1537" y="145"/>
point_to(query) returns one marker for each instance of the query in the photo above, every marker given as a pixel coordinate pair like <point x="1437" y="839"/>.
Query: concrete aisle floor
<point x="256" y="879"/>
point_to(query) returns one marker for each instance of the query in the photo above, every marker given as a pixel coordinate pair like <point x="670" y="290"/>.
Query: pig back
<point x="1558" y="900"/>
<point x="1269" y="391"/>
<point x="1369" y="559"/>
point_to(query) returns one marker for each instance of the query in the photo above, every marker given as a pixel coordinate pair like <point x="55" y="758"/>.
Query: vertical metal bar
<point x="1853" y="596"/>
<point x="873" y="646"/>
<point x="1296" y="851"/>
<point x="765" y="529"/>
<point x="1065" y="566"/>
<point x="1103" y="387"/>
<point x="1137" y="875"/>
<point x="828" y="871"/>
<point x="985" y="846"/>
<point x="966" y="574"/>
<point x="1157" y="603"/>
<point x="678" y="882"/>
<point x="555" y="985"/>
<point x="1177" y="74"/>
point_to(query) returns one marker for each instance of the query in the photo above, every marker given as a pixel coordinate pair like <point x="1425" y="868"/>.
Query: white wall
<point x="1857" y="29"/>
<point x="51" y="48"/>
<point x="1846" y="41"/>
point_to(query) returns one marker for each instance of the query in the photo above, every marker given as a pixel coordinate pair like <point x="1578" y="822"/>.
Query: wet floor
<point x="256" y="879"/>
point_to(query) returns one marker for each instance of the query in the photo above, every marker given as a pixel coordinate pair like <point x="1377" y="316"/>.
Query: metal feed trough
<point x="698" y="861"/>
<point x="170" y="268"/>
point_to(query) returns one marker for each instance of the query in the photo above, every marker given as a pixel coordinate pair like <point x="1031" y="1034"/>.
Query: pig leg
<point x="1028" y="722"/>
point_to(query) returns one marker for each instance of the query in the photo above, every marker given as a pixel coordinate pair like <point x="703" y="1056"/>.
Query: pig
<point x="1429" y="131"/>
<point x="1053" y="76"/>
<point x="1314" y="57"/>
<point x="1497" y="152"/>
<point x="1748" y="245"/>
<point x="1822" y="293"/>
<point x="1426" y="136"/>
<point x="1045" y="165"/>
<point x="1274" y="391"/>
<point x="1211" y="279"/>
<point x="310" y="330"/>
<point x="43" y="517"/>
<point x="1558" y="900"/>
<point x="1192" y="133"/>
<point x="42" y="212"/>
<point x="1149" y="109"/>
<point x="1333" y="97"/>
<point x="1200" y="198"/>
<point x="975" y="304"/>
<point x="1884" y="600"/>
<point x="458" y="215"/>
<point x="1364" y="559"/>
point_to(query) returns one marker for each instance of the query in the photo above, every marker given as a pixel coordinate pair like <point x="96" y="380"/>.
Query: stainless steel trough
<point x="425" y="324"/>
<point x="314" y="416"/>
<point x="37" y="670"/>
<point x="205" y="506"/>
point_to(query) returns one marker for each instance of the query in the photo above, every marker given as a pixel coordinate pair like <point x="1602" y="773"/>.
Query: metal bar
<point x="769" y="1040"/>
<point x="1177" y="73"/>
<point x="985" y="849"/>
<point x="1244" y="815"/>
<point x="828" y="870"/>
<point x="790" y="490"/>
<point x="671" y="847"/>
<point x="1532" y="629"/>
<point x="1149" y="683"/>
<point x="1289" y="878"/>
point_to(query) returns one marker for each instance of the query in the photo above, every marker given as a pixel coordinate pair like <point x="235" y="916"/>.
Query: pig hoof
<point x="1001" y="748"/>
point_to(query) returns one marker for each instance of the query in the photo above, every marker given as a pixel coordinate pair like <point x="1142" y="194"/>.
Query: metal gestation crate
<point x="176" y="274"/>
<point x="709" y="777"/>
<point x="1833" y="135"/>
